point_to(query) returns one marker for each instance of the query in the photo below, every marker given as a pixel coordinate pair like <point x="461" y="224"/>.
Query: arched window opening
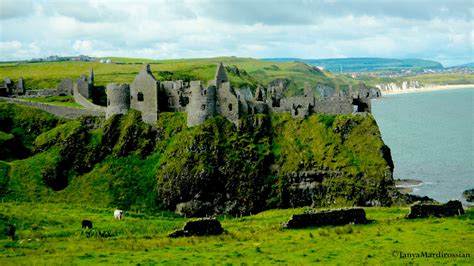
<point x="230" y="107"/>
<point x="203" y="107"/>
<point x="140" y="97"/>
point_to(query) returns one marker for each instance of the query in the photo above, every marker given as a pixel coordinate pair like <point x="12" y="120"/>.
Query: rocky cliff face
<point x="395" y="87"/>
<point x="268" y="162"/>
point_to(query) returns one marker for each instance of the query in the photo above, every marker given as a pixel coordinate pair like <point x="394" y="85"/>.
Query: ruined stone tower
<point x="144" y="95"/>
<point x="90" y="80"/>
<point x="118" y="99"/>
<point x="202" y="104"/>
<point x="221" y="76"/>
<point x="83" y="87"/>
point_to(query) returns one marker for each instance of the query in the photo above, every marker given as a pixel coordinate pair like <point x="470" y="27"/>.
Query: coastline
<point x="429" y="88"/>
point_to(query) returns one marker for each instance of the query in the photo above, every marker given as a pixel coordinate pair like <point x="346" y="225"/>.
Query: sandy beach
<point x="430" y="88"/>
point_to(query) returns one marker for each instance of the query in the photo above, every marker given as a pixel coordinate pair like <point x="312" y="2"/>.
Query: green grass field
<point x="251" y="71"/>
<point x="52" y="234"/>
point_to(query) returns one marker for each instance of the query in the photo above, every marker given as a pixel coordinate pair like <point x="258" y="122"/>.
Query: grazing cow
<point x="118" y="214"/>
<point x="86" y="224"/>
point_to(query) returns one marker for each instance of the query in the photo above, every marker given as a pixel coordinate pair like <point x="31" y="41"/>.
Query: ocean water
<point x="431" y="137"/>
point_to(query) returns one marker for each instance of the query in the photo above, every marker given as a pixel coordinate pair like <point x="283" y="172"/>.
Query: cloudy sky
<point x="429" y="29"/>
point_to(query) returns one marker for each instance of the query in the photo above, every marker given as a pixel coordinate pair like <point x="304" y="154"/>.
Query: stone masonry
<point x="218" y="97"/>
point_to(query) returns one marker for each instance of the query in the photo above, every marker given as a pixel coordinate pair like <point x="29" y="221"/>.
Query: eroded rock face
<point x="451" y="208"/>
<point x="325" y="218"/>
<point x="202" y="227"/>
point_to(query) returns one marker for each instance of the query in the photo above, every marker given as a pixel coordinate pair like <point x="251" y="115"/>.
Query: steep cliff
<point x="400" y="86"/>
<point x="269" y="162"/>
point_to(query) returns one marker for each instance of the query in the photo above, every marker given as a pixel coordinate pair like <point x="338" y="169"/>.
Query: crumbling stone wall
<point x="61" y="111"/>
<point x="326" y="218"/>
<point x="334" y="106"/>
<point x="82" y="86"/>
<point x="202" y="103"/>
<point x="227" y="103"/>
<point x="201" y="227"/>
<point x="118" y="99"/>
<point x="85" y="103"/>
<point x="169" y="90"/>
<point x="151" y="97"/>
<point x="65" y="87"/>
<point x="40" y="93"/>
<point x="451" y="208"/>
<point x="144" y="92"/>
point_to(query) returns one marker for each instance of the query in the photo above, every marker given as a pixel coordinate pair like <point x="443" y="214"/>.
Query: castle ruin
<point x="200" y="101"/>
<point x="218" y="97"/>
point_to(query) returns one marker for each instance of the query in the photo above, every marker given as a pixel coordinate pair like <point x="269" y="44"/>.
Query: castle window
<point x="140" y="97"/>
<point x="171" y="101"/>
<point x="203" y="107"/>
<point x="108" y="102"/>
<point x="205" y="92"/>
<point x="230" y="107"/>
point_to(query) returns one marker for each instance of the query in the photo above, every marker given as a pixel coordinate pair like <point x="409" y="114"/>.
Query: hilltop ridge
<point x="364" y="64"/>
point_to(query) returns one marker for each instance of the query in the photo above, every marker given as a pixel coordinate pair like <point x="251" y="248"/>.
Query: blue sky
<point x="438" y="30"/>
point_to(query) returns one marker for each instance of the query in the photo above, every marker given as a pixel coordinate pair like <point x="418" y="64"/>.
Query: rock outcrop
<point x="405" y="85"/>
<point x="326" y="218"/>
<point x="451" y="208"/>
<point x="202" y="227"/>
<point x="469" y="195"/>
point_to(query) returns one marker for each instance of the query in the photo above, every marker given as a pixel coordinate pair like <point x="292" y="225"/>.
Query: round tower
<point x="118" y="99"/>
<point x="202" y="103"/>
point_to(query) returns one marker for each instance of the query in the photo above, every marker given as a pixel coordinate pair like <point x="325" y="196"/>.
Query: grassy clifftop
<point x="214" y="167"/>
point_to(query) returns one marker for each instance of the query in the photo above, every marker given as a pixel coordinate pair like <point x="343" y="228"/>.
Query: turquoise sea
<point x="431" y="136"/>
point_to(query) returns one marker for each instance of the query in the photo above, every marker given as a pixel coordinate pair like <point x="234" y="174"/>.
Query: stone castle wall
<point x="334" y="106"/>
<point x="83" y="87"/>
<point x="118" y="99"/>
<point x="144" y="92"/>
<point x="202" y="104"/>
<point x="151" y="97"/>
<point x="80" y="99"/>
<point x="227" y="103"/>
<point x="61" y="111"/>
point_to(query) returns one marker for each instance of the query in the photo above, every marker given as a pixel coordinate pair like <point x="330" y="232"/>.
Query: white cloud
<point x="204" y="28"/>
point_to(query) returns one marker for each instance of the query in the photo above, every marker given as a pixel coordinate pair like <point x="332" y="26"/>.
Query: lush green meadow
<point x="52" y="234"/>
<point x="251" y="72"/>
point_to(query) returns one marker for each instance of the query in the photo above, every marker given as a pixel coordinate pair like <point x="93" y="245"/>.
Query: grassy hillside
<point x="249" y="72"/>
<point x="51" y="234"/>
<point x="19" y="127"/>
<point x="364" y="64"/>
